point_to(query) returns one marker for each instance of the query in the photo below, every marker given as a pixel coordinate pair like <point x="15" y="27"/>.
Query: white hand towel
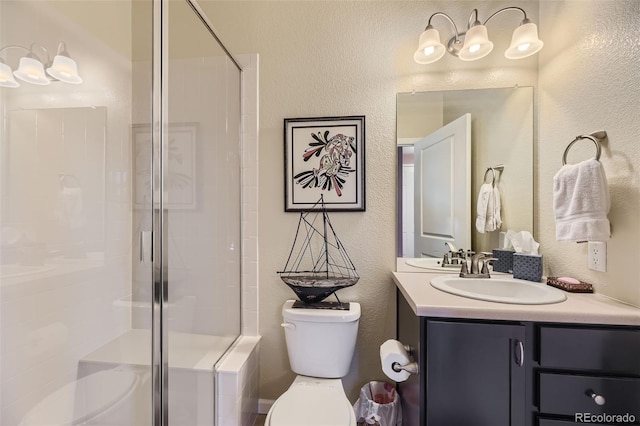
<point x="70" y="209"/>
<point x="581" y="202"/>
<point x="488" y="218"/>
<point x="483" y="206"/>
<point x="497" y="217"/>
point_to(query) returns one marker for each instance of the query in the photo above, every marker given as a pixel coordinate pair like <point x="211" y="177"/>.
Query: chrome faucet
<point x="452" y="247"/>
<point x="476" y="271"/>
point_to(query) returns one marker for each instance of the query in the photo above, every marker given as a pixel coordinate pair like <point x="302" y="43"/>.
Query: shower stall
<point x="121" y="177"/>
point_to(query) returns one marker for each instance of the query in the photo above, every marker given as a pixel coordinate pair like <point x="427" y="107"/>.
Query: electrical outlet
<point x="597" y="256"/>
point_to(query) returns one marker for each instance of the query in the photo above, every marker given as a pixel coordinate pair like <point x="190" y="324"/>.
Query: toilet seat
<point x="318" y="402"/>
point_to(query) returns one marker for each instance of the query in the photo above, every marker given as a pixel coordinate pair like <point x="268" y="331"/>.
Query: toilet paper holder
<point x="411" y="368"/>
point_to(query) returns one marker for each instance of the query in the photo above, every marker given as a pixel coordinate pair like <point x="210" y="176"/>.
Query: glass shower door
<point x="75" y="193"/>
<point x="200" y="215"/>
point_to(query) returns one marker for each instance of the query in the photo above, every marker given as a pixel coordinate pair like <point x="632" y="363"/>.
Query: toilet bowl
<point x="315" y="402"/>
<point x="320" y="345"/>
<point x="83" y="400"/>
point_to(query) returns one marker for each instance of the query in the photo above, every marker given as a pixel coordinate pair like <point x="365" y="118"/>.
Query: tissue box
<point x="527" y="266"/>
<point x="504" y="262"/>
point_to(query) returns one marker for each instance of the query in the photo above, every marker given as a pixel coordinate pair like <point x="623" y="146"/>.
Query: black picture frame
<point x="325" y="156"/>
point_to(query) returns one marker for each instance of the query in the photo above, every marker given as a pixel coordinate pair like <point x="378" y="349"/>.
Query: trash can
<point x="379" y="405"/>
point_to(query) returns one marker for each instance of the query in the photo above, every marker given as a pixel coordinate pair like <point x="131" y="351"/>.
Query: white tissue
<point x="392" y="352"/>
<point x="521" y="242"/>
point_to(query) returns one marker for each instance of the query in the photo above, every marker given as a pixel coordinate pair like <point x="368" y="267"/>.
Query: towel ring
<point x="499" y="167"/>
<point x="493" y="176"/>
<point x="591" y="138"/>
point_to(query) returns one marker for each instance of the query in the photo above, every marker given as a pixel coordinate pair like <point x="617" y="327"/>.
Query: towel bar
<point x="595" y="137"/>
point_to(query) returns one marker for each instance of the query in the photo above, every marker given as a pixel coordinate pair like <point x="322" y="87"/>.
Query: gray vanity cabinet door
<point x="475" y="374"/>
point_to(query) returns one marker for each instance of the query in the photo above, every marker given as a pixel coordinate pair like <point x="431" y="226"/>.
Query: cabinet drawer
<point x="610" y="350"/>
<point x="566" y="394"/>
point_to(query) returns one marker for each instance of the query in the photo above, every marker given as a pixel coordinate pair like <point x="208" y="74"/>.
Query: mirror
<point x="55" y="156"/>
<point x="501" y="135"/>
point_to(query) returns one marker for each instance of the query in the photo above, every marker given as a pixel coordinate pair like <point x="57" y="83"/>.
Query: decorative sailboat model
<point x="318" y="264"/>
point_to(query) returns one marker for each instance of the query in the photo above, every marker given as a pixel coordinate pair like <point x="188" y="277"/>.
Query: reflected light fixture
<point x="31" y="68"/>
<point x="474" y="43"/>
<point x="6" y="76"/>
<point x="63" y="67"/>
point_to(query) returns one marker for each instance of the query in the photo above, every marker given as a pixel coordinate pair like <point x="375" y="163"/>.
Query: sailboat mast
<point x="326" y="243"/>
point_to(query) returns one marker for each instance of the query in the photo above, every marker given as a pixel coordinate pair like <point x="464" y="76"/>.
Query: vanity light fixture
<point x="31" y="68"/>
<point x="63" y="67"/>
<point x="474" y="43"/>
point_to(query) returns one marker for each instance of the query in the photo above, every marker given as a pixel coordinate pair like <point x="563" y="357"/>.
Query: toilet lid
<point x="83" y="399"/>
<point x="312" y="406"/>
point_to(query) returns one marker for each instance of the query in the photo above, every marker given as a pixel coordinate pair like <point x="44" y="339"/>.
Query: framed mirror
<point x="500" y="153"/>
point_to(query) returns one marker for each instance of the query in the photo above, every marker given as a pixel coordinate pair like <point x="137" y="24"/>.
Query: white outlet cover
<point x="597" y="256"/>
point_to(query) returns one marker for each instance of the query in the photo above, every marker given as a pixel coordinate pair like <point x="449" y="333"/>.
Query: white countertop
<point x="584" y="308"/>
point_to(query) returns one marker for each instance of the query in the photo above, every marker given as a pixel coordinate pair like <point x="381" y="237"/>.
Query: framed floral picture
<point x="180" y="181"/>
<point x="324" y="156"/>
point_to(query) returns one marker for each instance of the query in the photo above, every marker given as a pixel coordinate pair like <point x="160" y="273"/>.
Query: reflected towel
<point x="581" y="202"/>
<point x="70" y="208"/>
<point x="488" y="207"/>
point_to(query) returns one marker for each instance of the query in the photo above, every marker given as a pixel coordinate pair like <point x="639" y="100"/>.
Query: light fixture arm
<point x="453" y="24"/>
<point x="473" y="19"/>
<point x="14" y="46"/>
<point x="524" y="21"/>
<point x="29" y="50"/>
<point x="44" y="49"/>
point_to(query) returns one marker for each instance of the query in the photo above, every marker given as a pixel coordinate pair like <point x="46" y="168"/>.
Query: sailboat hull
<point x="313" y="289"/>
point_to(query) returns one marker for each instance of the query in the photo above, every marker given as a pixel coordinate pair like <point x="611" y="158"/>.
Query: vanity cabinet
<point x="495" y="373"/>
<point x="474" y="373"/>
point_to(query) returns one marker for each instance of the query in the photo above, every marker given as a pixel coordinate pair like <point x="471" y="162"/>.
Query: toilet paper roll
<point x="392" y="352"/>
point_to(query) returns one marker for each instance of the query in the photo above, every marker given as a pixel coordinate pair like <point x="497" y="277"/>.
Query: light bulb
<point x="429" y="50"/>
<point x="474" y="48"/>
<point x="523" y="47"/>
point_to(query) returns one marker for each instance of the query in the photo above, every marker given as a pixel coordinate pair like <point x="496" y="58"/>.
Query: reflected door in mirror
<point x="442" y="189"/>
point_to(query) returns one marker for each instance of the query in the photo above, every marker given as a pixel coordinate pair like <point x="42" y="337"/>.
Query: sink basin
<point x="503" y="290"/>
<point x="433" y="263"/>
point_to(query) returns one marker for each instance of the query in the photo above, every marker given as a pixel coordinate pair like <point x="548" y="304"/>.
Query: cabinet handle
<point x="519" y="352"/>
<point x="598" y="399"/>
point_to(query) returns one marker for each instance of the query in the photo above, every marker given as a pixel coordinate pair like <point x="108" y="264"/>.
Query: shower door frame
<point x="159" y="159"/>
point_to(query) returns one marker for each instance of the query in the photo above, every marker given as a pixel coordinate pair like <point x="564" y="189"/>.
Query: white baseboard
<point x="264" y="405"/>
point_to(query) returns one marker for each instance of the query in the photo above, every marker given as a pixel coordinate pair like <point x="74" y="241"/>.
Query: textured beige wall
<point x="345" y="58"/>
<point x="590" y="80"/>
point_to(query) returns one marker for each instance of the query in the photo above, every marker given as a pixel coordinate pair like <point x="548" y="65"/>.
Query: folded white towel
<point x="488" y="218"/>
<point x="581" y="202"/>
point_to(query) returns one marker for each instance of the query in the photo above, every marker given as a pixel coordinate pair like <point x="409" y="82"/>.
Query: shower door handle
<point x="146" y="244"/>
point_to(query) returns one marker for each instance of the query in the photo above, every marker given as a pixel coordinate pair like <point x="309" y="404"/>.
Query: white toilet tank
<point x="320" y="342"/>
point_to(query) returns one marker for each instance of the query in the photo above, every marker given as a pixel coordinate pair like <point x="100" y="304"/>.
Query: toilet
<point x="320" y="344"/>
